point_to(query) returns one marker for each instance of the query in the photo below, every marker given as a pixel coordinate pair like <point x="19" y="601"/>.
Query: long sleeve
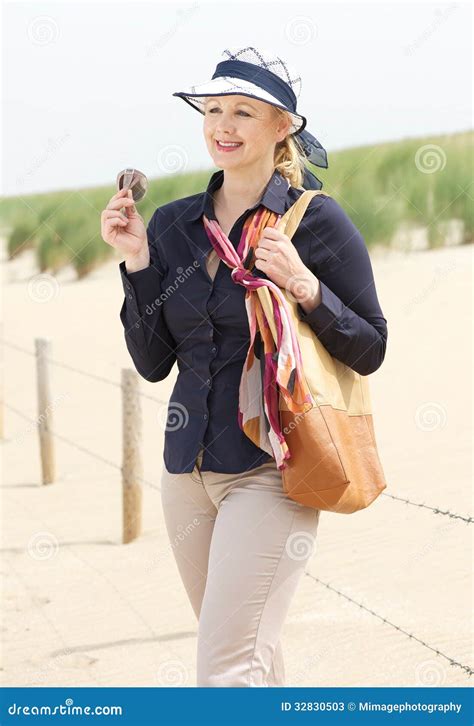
<point x="147" y="337"/>
<point x="349" y="320"/>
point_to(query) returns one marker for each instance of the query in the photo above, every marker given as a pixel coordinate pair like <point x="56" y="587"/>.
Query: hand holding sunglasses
<point x="121" y="225"/>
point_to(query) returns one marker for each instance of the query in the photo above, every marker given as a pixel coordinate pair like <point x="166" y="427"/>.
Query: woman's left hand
<point x="278" y="258"/>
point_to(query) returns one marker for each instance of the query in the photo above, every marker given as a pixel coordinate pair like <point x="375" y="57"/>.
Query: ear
<point x="283" y="127"/>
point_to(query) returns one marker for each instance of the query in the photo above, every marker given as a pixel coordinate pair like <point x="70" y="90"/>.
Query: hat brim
<point x="225" y="86"/>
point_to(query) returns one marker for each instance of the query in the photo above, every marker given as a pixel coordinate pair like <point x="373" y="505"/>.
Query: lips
<point x="228" y="148"/>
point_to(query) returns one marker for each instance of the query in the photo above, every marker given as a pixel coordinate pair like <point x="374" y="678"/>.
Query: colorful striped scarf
<point x="269" y="369"/>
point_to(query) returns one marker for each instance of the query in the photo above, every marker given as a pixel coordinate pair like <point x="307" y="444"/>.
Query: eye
<point x="211" y="110"/>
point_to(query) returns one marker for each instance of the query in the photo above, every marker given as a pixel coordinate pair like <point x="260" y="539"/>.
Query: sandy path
<point x="80" y="608"/>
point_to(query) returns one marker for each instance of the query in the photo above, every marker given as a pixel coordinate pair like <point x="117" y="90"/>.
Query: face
<point x="254" y="124"/>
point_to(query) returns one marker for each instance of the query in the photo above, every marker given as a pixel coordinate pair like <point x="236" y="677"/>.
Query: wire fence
<point x="116" y="384"/>
<point x="452" y="662"/>
<point x="139" y="478"/>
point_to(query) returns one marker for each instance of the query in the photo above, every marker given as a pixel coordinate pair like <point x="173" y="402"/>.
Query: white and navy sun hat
<point x="259" y="73"/>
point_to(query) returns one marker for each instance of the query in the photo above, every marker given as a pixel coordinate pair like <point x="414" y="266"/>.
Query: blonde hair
<point x="289" y="157"/>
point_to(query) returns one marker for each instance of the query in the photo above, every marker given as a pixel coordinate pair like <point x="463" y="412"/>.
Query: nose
<point x="225" y="124"/>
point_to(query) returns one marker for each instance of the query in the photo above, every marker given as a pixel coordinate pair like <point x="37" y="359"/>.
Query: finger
<point x="118" y="194"/>
<point x="132" y="208"/>
<point x="272" y="232"/>
<point x="109" y="213"/>
<point x="109" y="224"/>
<point x="262" y="254"/>
<point x="266" y="243"/>
<point x="276" y="235"/>
<point x="119" y="203"/>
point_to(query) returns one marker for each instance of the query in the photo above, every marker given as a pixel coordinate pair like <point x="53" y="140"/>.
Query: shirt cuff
<point x="329" y="311"/>
<point x="142" y="287"/>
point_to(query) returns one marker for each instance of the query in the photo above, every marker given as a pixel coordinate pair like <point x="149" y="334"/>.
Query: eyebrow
<point x="239" y="103"/>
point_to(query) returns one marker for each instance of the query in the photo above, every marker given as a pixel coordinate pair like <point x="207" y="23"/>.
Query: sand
<point x="82" y="609"/>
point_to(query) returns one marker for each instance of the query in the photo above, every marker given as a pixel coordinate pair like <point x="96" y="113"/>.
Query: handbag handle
<point x="290" y="221"/>
<point x="288" y="224"/>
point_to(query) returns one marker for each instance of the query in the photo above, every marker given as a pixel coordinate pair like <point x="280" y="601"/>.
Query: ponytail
<point x="290" y="159"/>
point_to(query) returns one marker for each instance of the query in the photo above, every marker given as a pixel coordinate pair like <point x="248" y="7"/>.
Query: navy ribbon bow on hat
<point x="316" y="154"/>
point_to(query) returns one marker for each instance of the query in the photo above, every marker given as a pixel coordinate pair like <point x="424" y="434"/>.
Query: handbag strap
<point x="290" y="221"/>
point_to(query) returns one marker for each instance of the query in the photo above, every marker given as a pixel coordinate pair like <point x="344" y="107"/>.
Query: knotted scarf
<point x="269" y="369"/>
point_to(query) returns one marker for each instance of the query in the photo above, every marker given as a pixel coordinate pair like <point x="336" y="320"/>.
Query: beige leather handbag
<point x="334" y="462"/>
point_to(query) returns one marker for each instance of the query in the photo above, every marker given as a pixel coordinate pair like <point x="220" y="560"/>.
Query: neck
<point x="243" y="188"/>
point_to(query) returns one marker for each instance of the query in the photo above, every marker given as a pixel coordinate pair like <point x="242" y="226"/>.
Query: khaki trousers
<point x="241" y="546"/>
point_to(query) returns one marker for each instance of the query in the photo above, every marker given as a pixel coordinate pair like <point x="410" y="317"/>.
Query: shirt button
<point x="208" y="381"/>
<point x="213" y="348"/>
<point x="205" y="417"/>
<point x="131" y="297"/>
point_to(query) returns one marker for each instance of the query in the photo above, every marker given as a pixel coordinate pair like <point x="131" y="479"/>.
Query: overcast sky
<point x="87" y="87"/>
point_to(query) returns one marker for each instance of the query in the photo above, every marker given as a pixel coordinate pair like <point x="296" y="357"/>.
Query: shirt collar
<point x="273" y="197"/>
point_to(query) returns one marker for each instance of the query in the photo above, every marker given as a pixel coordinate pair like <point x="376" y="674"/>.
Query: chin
<point x="226" y="164"/>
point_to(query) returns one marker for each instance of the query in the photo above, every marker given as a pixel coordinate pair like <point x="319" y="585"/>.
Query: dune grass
<point x="418" y="182"/>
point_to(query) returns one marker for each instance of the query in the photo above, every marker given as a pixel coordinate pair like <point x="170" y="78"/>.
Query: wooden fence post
<point x="43" y="349"/>
<point x="132" y="468"/>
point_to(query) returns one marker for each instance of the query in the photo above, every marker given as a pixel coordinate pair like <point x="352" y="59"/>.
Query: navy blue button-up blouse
<point x="174" y="311"/>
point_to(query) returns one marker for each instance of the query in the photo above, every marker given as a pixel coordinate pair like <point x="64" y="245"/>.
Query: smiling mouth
<point x="234" y="145"/>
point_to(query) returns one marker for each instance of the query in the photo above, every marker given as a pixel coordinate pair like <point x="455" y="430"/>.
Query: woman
<point x="240" y="544"/>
